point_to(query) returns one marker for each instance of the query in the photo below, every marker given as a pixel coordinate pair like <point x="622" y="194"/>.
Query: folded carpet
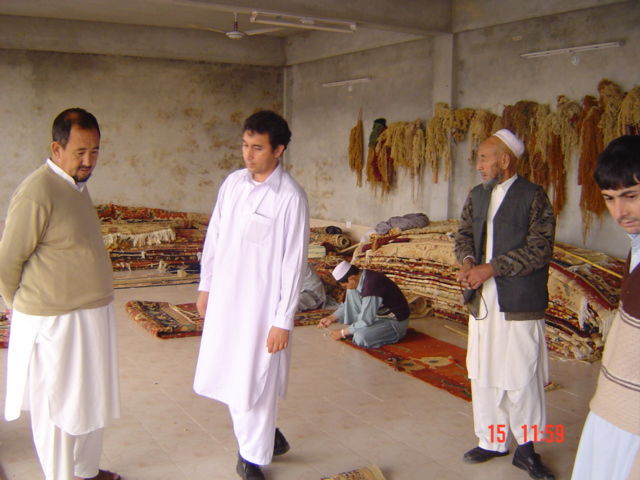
<point x="165" y="320"/>
<point x="365" y="473"/>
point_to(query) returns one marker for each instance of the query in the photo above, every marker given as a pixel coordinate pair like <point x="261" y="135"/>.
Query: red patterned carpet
<point x="165" y="320"/>
<point x="428" y="359"/>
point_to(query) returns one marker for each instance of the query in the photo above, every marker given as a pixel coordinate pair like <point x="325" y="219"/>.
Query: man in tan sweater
<point x="56" y="276"/>
<point x="610" y="443"/>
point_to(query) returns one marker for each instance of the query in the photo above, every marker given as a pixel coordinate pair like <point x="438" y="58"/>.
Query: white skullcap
<point x="341" y="270"/>
<point x="511" y="141"/>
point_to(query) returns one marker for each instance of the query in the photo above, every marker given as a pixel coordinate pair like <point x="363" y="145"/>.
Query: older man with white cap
<point x="504" y="245"/>
<point x="375" y="310"/>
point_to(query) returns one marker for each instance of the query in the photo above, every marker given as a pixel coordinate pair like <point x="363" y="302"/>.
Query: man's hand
<point x="277" y="340"/>
<point x="336" y="334"/>
<point x="326" y="321"/>
<point x="467" y="265"/>
<point x="201" y="303"/>
<point x="474" y="277"/>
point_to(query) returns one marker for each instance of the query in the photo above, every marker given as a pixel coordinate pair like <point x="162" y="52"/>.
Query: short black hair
<point x="65" y="121"/>
<point x="266" y="121"/>
<point x="619" y="164"/>
<point x="353" y="270"/>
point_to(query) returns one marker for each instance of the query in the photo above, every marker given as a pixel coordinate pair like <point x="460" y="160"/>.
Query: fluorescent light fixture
<point x="305" y="22"/>
<point x="348" y="83"/>
<point x="581" y="48"/>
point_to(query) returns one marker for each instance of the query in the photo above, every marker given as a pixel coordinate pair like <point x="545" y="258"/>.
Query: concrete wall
<point x="321" y="119"/>
<point x="171" y="130"/>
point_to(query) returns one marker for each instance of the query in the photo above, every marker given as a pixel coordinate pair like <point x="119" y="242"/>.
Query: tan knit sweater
<point x="617" y="397"/>
<point x="52" y="256"/>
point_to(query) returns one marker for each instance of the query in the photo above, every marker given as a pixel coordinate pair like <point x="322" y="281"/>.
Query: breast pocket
<point x="259" y="229"/>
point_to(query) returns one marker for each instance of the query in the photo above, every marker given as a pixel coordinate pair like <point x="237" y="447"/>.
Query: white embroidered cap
<point x="341" y="270"/>
<point x="511" y="141"/>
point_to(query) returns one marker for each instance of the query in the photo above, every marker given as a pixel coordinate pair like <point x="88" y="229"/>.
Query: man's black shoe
<point x="532" y="465"/>
<point x="479" y="455"/>
<point x="280" y="445"/>
<point x="248" y="470"/>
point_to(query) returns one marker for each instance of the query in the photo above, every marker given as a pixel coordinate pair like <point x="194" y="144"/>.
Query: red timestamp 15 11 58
<point x="533" y="433"/>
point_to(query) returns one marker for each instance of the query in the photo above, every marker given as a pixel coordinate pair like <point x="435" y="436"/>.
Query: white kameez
<point x="252" y="266"/>
<point x="507" y="360"/>
<point x="80" y="354"/>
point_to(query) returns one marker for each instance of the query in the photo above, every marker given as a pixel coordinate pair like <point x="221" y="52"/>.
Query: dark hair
<point x="65" y="121"/>
<point x="619" y="164"/>
<point x="353" y="270"/>
<point x="266" y="121"/>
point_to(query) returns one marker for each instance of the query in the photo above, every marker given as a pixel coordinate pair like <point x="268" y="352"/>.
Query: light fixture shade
<point x="304" y="22"/>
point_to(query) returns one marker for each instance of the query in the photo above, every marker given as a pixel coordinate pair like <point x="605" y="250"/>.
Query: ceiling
<point x="408" y="16"/>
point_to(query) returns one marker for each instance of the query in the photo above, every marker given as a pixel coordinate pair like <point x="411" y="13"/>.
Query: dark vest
<point x="527" y="293"/>
<point x="379" y="285"/>
<point x="630" y="297"/>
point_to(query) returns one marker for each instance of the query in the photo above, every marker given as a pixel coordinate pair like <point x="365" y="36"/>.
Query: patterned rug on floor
<point x="366" y="473"/>
<point x="428" y="359"/>
<point x="165" y="320"/>
<point x="311" y="317"/>
<point x="4" y="330"/>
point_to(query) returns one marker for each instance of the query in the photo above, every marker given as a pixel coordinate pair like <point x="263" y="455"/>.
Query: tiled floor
<point x="344" y="410"/>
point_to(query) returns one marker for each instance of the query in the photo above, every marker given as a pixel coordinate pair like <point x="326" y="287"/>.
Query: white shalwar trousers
<point x="606" y="452"/>
<point x="509" y="411"/>
<point x="255" y="428"/>
<point x="508" y="367"/>
<point x="62" y="456"/>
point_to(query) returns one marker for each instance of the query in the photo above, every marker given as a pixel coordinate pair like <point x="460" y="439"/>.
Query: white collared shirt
<point x="78" y="186"/>
<point x="635" y="251"/>
<point x="497" y="196"/>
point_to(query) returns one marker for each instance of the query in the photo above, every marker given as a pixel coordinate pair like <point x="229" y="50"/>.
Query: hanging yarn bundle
<point x="611" y="96"/>
<point x="539" y="154"/>
<point x="629" y="116"/>
<point x="591" y="144"/>
<point x="356" y="149"/>
<point x="520" y="119"/>
<point x="437" y="144"/>
<point x="460" y="120"/>
<point x="480" y="128"/>
<point x="373" y="175"/>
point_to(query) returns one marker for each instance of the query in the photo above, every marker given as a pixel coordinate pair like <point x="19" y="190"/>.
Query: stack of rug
<point x="583" y="285"/>
<point x="141" y="238"/>
<point x="5" y="324"/>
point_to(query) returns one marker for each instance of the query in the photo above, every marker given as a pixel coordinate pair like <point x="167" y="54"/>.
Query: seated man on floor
<point x="375" y="310"/>
<point x="313" y="295"/>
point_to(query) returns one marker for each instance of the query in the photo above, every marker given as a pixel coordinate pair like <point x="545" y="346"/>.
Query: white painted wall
<point x="171" y="130"/>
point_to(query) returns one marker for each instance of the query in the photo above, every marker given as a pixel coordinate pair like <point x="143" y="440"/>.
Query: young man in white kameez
<point x="252" y="268"/>
<point x="56" y="276"/>
<point x="504" y="244"/>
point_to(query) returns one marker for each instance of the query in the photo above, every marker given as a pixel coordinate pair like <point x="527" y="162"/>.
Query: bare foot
<point x="103" y="475"/>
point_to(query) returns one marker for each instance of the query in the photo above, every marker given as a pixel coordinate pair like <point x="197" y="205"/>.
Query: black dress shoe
<point x="532" y="465"/>
<point x="280" y="445"/>
<point x="248" y="470"/>
<point x="479" y="455"/>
